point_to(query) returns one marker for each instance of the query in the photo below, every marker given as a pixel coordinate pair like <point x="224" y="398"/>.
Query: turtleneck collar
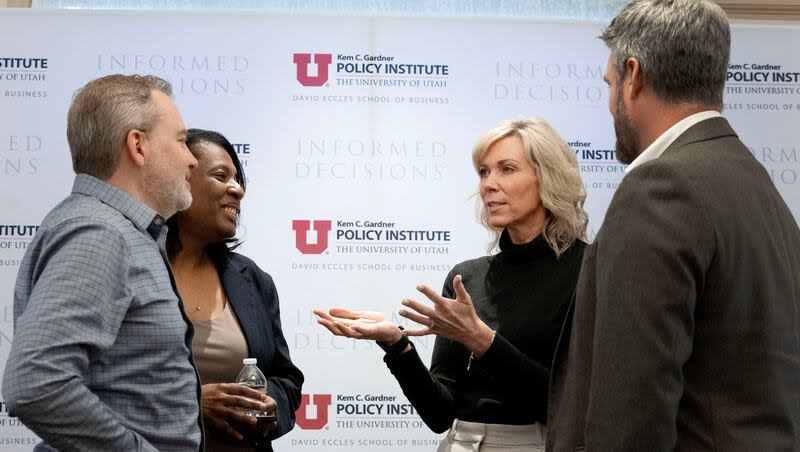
<point x="536" y="247"/>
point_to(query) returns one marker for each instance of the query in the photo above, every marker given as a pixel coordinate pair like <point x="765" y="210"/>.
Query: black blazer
<point x="254" y="300"/>
<point x="686" y="326"/>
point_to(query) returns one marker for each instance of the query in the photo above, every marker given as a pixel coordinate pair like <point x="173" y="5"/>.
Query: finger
<point x="413" y="316"/>
<point x="372" y="331"/>
<point x="231" y="432"/>
<point x="330" y="326"/>
<point x="345" y="319"/>
<point x="343" y="313"/>
<point x="225" y="427"/>
<point x="364" y="330"/>
<point x="347" y="331"/>
<point x="322" y="314"/>
<point x="242" y="390"/>
<point x="342" y="316"/>
<point x="271" y="404"/>
<point x="461" y="292"/>
<point x="340" y="330"/>
<point x="419" y="307"/>
<point x="253" y="404"/>
<point x="215" y="422"/>
<point x="241" y="418"/>
<point x="432" y="295"/>
<point x="418" y="332"/>
<point x="339" y="327"/>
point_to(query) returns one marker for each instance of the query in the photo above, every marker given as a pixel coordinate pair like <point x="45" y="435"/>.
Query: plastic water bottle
<point x="251" y="376"/>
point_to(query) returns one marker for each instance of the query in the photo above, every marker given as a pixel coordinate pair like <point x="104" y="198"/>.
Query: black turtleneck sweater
<point x="523" y="294"/>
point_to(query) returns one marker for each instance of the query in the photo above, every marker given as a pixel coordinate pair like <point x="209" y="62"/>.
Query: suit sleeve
<point x="76" y="306"/>
<point x="285" y="379"/>
<point x="652" y="253"/>
<point x="432" y="392"/>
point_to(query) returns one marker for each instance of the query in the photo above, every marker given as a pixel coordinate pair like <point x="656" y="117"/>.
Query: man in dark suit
<point x="685" y="332"/>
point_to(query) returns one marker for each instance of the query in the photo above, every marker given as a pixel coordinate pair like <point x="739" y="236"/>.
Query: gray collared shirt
<point x="101" y="353"/>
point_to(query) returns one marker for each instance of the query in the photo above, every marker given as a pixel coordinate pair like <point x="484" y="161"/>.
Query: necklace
<point x="196" y="308"/>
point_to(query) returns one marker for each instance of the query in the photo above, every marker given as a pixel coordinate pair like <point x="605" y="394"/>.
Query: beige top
<point x="218" y="348"/>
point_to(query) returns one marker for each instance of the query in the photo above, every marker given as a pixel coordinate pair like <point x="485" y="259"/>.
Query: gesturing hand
<point x="452" y="319"/>
<point x="220" y="400"/>
<point x="359" y="324"/>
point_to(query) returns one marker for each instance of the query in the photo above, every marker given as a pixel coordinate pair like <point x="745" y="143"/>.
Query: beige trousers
<point x="476" y="437"/>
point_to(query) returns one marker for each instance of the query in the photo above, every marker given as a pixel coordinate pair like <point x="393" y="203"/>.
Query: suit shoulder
<point x="704" y="157"/>
<point x="241" y="260"/>
<point x="248" y="266"/>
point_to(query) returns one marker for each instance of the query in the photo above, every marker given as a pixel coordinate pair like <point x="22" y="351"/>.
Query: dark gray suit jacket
<point x="685" y="332"/>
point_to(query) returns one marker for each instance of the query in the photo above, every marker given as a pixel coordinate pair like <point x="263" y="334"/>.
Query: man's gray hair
<point x="101" y="115"/>
<point x="682" y="46"/>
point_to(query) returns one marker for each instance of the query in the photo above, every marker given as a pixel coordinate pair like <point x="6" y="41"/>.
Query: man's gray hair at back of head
<point x="683" y="47"/>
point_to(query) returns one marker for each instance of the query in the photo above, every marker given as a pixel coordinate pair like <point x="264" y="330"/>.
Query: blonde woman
<point x="499" y="316"/>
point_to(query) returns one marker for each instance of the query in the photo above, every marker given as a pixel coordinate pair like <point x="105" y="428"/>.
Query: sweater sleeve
<point x="432" y="392"/>
<point x="512" y="368"/>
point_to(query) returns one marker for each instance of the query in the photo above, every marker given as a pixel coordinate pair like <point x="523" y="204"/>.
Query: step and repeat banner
<point x="356" y="134"/>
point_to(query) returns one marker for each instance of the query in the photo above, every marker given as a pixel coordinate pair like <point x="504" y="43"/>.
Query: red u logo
<point x="322" y="60"/>
<point x="322" y="402"/>
<point x="301" y="227"/>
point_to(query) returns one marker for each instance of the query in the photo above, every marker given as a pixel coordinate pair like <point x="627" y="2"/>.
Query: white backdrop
<point x="380" y="146"/>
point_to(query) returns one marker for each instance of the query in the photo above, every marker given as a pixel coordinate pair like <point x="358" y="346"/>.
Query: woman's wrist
<point x="395" y="338"/>
<point x="396" y="346"/>
<point x="481" y="341"/>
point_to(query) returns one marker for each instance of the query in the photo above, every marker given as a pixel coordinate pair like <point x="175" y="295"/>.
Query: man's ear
<point x="634" y="78"/>
<point x="136" y="146"/>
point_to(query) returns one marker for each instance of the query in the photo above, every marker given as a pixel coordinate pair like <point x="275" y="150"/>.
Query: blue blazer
<point x="254" y="300"/>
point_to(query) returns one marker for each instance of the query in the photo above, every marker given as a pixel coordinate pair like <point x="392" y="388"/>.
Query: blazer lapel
<point x="239" y="290"/>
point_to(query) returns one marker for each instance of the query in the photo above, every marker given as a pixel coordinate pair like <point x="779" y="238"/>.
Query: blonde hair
<point x="560" y="186"/>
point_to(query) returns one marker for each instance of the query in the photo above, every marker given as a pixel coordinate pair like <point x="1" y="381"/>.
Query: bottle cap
<point x="248" y="361"/>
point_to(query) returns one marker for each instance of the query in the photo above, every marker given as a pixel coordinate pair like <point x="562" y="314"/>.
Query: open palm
<point x="359" y="324"/>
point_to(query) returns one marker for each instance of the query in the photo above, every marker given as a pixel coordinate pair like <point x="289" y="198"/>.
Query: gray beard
<point x="169" y="194"/>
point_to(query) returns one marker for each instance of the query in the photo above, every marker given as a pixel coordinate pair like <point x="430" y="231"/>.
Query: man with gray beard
<point x="101" y="358"/>
<point x="685" y="332"/>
